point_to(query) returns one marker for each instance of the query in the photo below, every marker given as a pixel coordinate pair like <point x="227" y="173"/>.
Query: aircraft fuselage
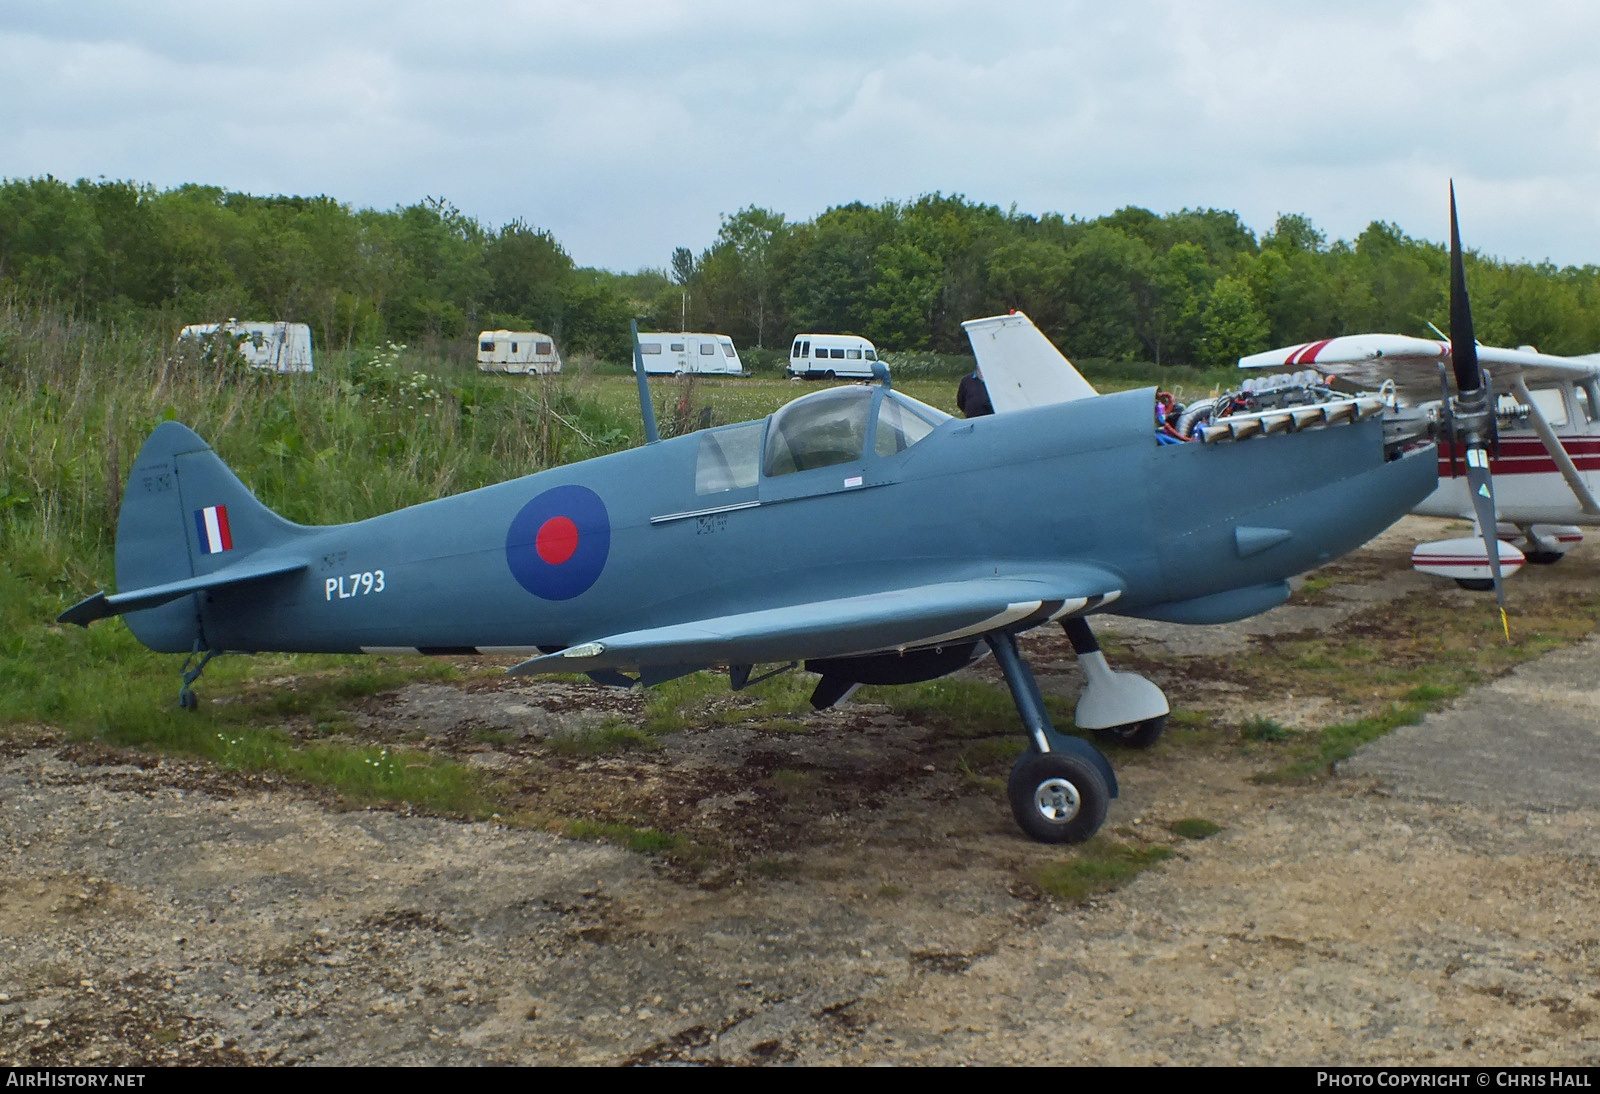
<point x="624" y="542"/>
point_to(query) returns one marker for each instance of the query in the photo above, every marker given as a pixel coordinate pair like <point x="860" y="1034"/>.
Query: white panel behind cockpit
<point x="1020" y="367"/>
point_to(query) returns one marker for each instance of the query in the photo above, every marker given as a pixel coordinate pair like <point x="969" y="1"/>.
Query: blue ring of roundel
<point x="577" y="574"/>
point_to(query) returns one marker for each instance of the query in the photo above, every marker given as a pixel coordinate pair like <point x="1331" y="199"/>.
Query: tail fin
<point x="1020" y="367"/>
<point x="187" y="525"/>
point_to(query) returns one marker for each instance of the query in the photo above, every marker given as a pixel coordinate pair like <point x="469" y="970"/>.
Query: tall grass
<point x="364" y="434"/>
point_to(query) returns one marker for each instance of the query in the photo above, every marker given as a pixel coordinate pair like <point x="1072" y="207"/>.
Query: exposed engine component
<point x="1304" y="395"/>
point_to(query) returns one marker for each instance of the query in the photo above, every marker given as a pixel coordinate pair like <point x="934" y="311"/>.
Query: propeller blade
<point x="1472" y="410"/>
<point x="1481" y="483"/>
<point x="1463" y="344"/>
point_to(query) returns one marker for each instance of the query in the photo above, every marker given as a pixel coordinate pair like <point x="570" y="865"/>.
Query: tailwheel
<point x="1057" y="798"/>
<point x="187" y="700"/>
<point x="1136" y="734"/>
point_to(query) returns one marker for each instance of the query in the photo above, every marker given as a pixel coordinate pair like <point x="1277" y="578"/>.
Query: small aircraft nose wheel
<point x="1476" y="584"/>
<point x="1136" y="734"/>
<point x="1057" y="798"/>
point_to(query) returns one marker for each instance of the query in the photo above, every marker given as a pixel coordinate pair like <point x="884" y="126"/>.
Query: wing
<point x="1368" y="360"/>
<point x="1020" y="367"/>
<point x="926" y="615"/>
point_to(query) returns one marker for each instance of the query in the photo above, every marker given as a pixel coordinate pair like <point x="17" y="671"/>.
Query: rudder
<point x="185" y="515"/>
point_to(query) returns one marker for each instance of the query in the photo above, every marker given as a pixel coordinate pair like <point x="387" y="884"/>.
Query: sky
<point x="630" y="127"/>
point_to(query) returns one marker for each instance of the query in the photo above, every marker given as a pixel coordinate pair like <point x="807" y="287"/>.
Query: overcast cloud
<point x="628" y="127"/>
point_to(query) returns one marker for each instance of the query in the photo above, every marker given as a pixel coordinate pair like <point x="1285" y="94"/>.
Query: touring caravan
<point x="824" y="356"/>
<point x="689" y="352"/>
<point x="520" y="351"/>
<point x="281" y="347"/>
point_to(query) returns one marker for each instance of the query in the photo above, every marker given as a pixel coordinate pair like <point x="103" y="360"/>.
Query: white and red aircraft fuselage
<point x="1546" y="464"/>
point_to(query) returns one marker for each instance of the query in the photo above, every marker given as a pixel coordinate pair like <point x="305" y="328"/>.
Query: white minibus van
<point x="824" y="356"/>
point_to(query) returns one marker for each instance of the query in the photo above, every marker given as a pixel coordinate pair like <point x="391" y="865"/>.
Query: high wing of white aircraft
<point x="1546" y="457"/>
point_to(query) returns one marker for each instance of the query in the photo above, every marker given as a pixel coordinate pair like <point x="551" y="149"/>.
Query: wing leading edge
<point x="902" y="619"/>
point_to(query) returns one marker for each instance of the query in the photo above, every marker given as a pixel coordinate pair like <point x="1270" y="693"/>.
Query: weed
<point x="1264" y="729"/>
<point x="964" y="708"/>
<point x="1178" y="718"/>
<point x="648" y="841"/>
<point x="986" y="783"/>
<point x="1339" y="742"/>
<point x="609" y="737"/>
<point x="781" y="726"/>
<point x="1194" y="828"/>
<point x="1098" y="866"/>
<point x="1316" y="584"/>
<point x="1432" y="693"/>
<point x="676" y="704"/>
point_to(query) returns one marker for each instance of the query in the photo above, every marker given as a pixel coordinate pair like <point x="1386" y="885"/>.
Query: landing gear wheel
<point x="187" y="700"/>
<point x="1057" y="798"/>
<point x="1136" y="734"/>
<point x="1476" y="584"/>
<point x="1543" y="558"/>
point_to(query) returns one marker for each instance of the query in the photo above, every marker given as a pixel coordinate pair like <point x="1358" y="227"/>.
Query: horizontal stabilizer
<point x="101" y="606"/>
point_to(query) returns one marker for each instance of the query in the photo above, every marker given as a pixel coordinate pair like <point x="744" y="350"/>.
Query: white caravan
<point x="690" y="352"/>
<point x="282" y="347"/>
<point x="825" y="356"/>
<point x="520" y="351"/>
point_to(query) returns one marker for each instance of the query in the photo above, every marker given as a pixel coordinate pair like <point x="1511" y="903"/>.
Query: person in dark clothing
<point x="972" y="398"/>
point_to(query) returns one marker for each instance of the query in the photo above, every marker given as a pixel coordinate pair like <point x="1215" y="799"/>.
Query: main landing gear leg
<point x="1121" y="706"/>
<point x="186" y="696"/>
<point x="1061" y="787"/>
<point x="1539" y="552"/>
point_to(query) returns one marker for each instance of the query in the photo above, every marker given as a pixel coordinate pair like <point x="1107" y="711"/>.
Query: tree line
<point x="1194" y="287"/>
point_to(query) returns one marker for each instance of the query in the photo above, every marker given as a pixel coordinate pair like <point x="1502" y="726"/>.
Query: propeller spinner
<point x="1471" y="410"/>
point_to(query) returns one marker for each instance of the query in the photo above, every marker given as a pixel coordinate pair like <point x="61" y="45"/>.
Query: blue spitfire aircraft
<point x="860" y="532"/>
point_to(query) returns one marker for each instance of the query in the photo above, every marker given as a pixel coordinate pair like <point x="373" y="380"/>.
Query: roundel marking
<point x="557" y="540"/>
<point x="557" y="544"/>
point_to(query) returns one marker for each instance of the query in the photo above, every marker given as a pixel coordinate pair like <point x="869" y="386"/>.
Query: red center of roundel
<point x="557" y="540"/>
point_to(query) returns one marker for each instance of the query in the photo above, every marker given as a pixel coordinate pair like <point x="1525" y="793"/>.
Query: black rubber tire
<point x="1544" y="558"/>
<point x="1028" y="784"/>
<point x="829" y="375"/>
<point x="1136" y="734"/>
<point x="1476" y="584"/>
<point x="187" y="699"/>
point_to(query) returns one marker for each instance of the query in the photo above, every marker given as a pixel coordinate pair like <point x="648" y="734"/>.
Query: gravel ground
<point x="1431" y="904"/>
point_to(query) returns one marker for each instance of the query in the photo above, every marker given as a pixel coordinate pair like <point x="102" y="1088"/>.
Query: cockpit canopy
<point x="818" y="430"/>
